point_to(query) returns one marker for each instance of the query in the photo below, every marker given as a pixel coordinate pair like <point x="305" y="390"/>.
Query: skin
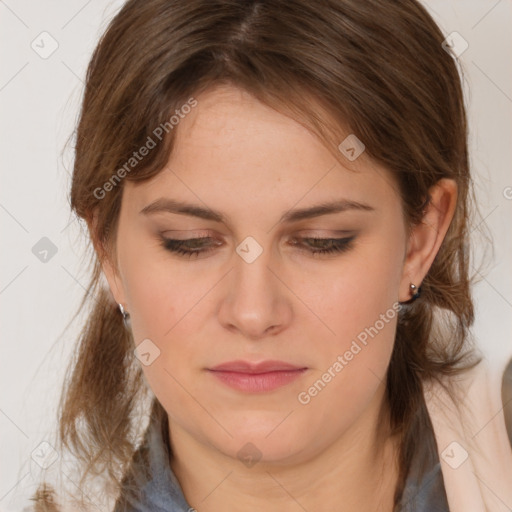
<point x="249" y="162"/>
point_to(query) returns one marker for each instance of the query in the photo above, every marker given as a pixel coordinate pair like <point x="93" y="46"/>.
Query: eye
<point x="193" y="247"/>
<point x="321" y="246"/>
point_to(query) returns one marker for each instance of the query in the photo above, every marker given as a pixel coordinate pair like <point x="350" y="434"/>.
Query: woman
<point x="278" y="194"/>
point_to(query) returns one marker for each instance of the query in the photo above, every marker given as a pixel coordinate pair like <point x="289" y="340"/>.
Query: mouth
<point x="256" y="377"/>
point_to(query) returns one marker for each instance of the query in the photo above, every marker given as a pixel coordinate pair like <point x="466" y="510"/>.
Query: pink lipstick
<point x="256" y="377"/>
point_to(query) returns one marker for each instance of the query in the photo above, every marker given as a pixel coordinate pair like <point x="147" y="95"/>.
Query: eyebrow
<point x="182" y="208"/>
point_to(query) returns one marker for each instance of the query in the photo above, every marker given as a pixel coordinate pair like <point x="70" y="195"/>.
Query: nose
<point x="256" y="303"/>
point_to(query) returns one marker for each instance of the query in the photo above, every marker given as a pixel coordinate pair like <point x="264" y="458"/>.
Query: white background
<point x="39" y="100"/>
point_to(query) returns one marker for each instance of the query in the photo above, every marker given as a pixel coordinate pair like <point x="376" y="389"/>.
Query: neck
<point x="357" y="472"/>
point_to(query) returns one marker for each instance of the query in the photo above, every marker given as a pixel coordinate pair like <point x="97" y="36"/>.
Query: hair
<point x="374" y="68"/>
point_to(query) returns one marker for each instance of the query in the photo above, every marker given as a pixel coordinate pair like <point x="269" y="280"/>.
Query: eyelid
<point x="306" y="233"/>
<point x="188" y="234"/>
<point x="210" y="241"/>
<point x="325" y="233"/>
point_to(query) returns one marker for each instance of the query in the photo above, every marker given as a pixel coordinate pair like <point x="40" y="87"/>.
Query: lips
<point x="262" y="367"/>
<point x="262" y="377"/>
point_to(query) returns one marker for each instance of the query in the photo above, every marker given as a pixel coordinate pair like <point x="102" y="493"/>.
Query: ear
<point x="108" y="261"/>
<point x="426" y="238"/>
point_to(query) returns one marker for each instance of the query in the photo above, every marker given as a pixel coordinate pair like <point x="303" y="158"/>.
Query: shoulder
<point x="473" y="445"/>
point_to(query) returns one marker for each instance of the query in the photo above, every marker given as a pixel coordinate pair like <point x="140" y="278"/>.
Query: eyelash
<point x="335" y="245"/>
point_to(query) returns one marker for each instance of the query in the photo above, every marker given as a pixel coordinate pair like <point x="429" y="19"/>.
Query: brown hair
<point x="376" y="68"/>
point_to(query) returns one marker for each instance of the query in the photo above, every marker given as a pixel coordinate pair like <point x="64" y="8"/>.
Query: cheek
<point x="166" y="306"/>
<point x="162" y="302"/>
<point x="359" y="305"/>
<point x="352" y="365"/>
<point x="155" y="291"/>
<point x="357" y="294"/>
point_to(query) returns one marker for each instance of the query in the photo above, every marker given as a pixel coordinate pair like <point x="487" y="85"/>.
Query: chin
<point x="266" y="443"/>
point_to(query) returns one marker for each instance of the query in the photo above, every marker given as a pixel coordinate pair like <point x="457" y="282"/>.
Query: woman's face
<point x="257" y="292"/>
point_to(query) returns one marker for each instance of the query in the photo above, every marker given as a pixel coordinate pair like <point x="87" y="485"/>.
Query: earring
<point x="126" y="315"/>
<point x="415" y="291"/>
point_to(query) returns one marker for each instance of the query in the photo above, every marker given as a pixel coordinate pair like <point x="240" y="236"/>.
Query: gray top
<point x="151" y="486"/>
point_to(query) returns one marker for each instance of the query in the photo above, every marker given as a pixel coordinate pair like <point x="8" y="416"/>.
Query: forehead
<point x="229" y="121"/>
<point x="232" y="148"/>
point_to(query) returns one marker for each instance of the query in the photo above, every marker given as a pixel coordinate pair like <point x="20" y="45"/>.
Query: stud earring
<point x="126" y="315"/>
<point x="415" y="291"/>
